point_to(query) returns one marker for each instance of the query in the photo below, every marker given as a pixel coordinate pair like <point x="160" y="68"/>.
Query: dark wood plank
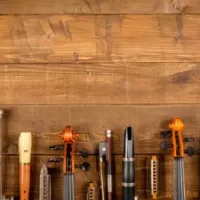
<point x="11" y="185"/>
<point x="95" y="38"/>
<point x="114" y="83"/>
<point x="45" y="122"/>
<point x="98" y="7"/>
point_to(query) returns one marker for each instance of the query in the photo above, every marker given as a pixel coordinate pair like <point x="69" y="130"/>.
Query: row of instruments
<point x="69" y="138"/>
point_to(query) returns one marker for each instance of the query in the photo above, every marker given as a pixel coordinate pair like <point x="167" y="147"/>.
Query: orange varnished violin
<point x="69" y="137"/>
<point x="176" y="134"/>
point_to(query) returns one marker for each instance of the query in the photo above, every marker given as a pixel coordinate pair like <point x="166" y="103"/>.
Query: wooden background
<point x="98" y="64"/>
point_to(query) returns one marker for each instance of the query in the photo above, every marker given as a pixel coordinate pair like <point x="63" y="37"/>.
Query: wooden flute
<point x="25" y="144"/>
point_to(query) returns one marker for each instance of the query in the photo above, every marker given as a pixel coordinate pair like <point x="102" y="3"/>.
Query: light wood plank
<point x="11" y="185"/>
<point x="46" y="122"/>
<point x="98" y="38"/>
<point x="98" y="7"/>
<point x="114" y="83"/>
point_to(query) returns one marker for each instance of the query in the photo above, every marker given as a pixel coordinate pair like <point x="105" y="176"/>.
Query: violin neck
<point x="69" y="186"/>
<point x="69" y="171"/>
<point x="179" y="179"/>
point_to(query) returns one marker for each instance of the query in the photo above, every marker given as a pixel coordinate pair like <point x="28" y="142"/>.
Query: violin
<point x="69" y="137"/>
<point x="177" y="145"/>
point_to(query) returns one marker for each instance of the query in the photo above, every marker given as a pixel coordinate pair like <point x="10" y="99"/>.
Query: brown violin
<point x="69" y="137"/>
<point x="177" y="144"/>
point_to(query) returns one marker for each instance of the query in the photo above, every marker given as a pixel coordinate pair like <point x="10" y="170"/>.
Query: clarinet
<point x="128" y="167"/>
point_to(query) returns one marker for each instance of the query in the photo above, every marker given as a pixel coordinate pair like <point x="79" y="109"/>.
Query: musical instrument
<point x="102" y="168"/>
<point x="105" y="162"/>
<point x="91" y="192"/>
<point x="176" y="129"/>
<point x="128" y="166"/>
<point x="1" y="173"/>
<point x="154" y="177"/>
<point x="25" y="144"/>
<point x="69" y="137"/>
<point x="11" y="198"/>
<point x="109" y="165"/>
<point x="45" y="184"/>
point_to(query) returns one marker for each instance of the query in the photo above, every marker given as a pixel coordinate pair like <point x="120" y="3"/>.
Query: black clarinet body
<point x="128" y="166"/>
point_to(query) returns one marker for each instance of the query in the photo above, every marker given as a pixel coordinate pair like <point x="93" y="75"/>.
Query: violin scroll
<point x="68" y="135"/>
<point x="177" y="140"/>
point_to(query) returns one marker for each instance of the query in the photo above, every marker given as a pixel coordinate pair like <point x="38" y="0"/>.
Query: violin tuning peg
<point x="165" y="145"/>
<point x="166" y="134"/>
<point x="85" y="166"/>
<point x="56" y="147"/>
<point x="55" y="160"/>
<point x="84" y="153"/>
<point x="190" y="151"/>
<point x="188" y="139"/>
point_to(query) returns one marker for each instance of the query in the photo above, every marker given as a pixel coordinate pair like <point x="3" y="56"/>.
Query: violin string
<point x="183" y="172"/>
<point x="182" y="183"/>
<point x="180" y="178"/>
<point x="175" y="179"/>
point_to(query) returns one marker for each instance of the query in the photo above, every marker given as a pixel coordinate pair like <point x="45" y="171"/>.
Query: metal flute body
<point x="109" y="165"/>
<point x="128" y="166"/>
<point x="25" y="143"/>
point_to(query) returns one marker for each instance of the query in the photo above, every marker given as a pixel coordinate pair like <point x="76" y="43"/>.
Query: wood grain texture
<point x="45" y="122"/>
<point x="114" y="83"/>
<point x="98" y="7"/>
<point x="99" y="38"/>
<point x="83" y="178"/>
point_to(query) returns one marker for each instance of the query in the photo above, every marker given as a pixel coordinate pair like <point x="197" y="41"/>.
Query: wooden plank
<point x="11" y="186"/>
<point x="145" y="83"/>
<point x="95" y="38"/>
<point x="98" y="7"/>
<point x="45" y="122"/>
